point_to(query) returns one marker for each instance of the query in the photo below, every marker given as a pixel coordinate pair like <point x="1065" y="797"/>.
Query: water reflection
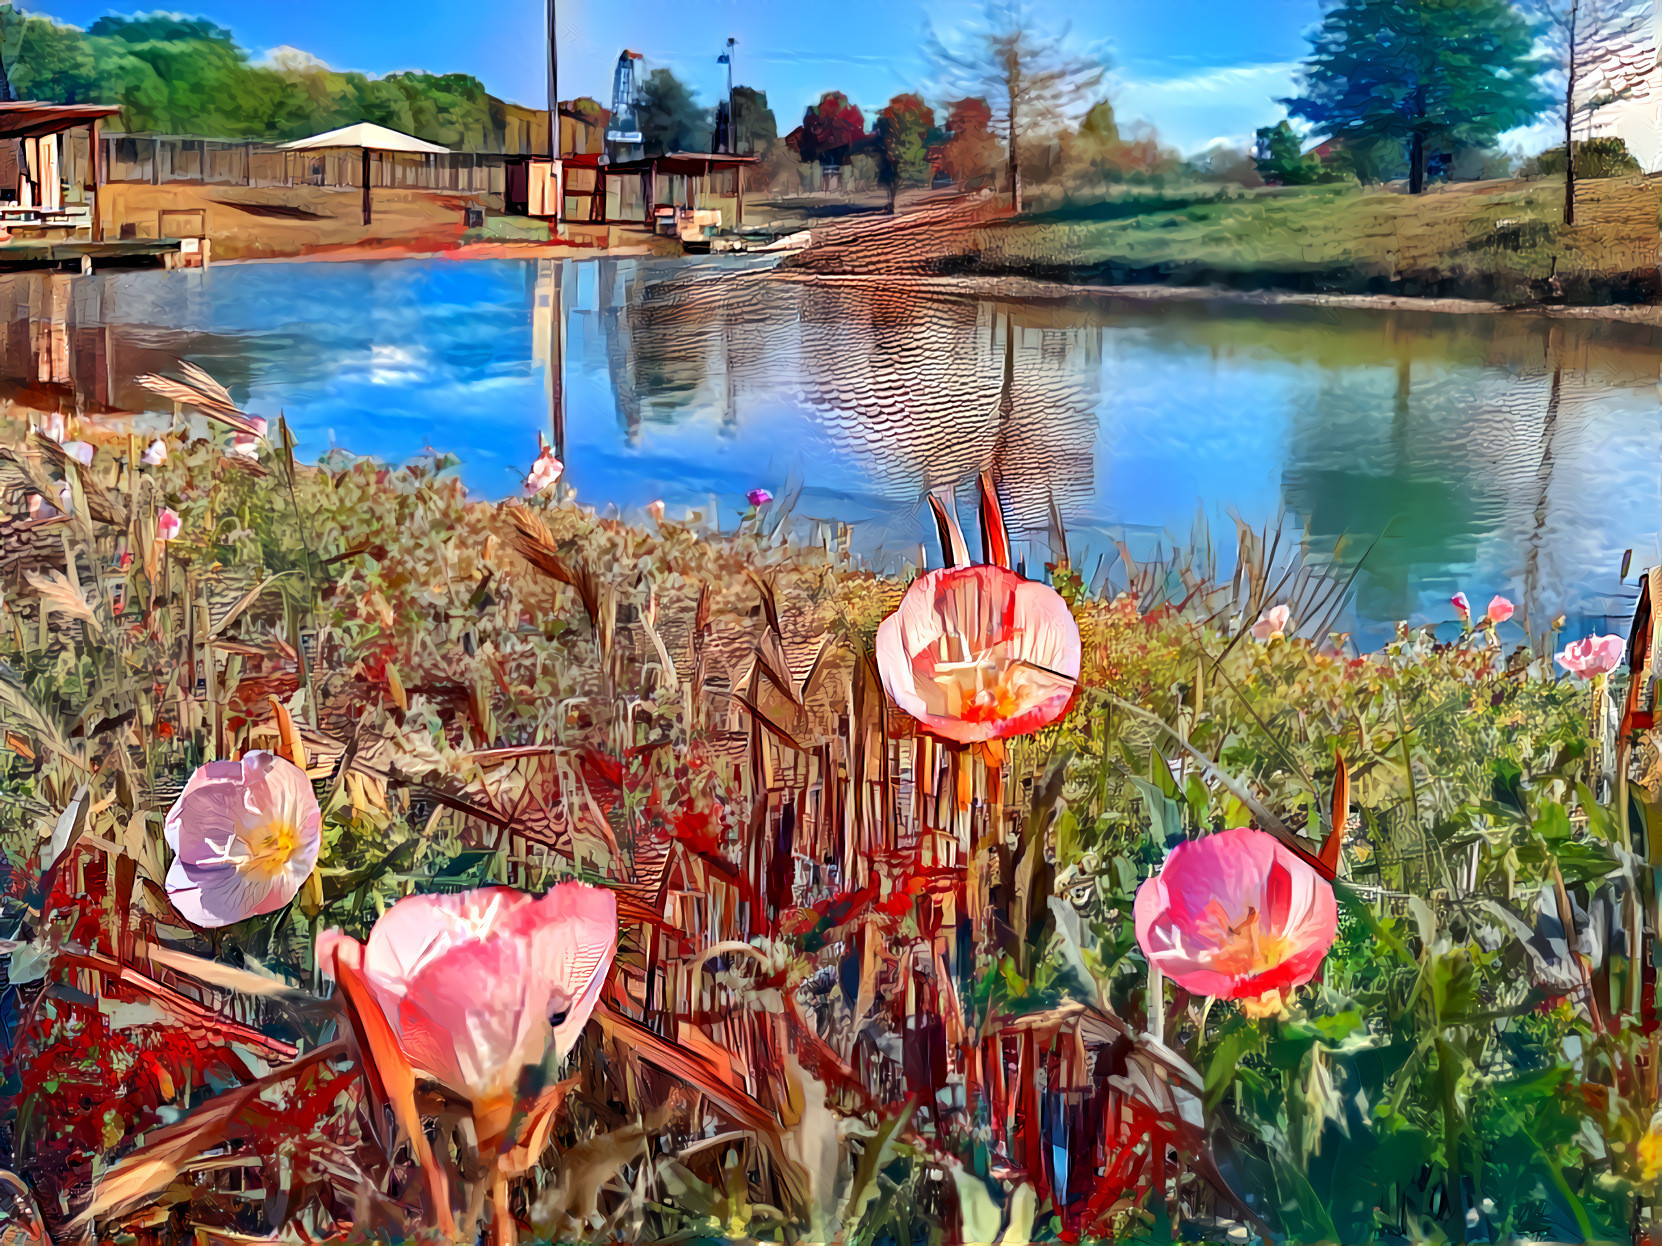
<point x="911" y="391"/>
<point x="1494" y="453"/>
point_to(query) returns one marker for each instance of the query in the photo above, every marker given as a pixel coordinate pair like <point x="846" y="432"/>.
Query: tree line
<point x="1411" y="89"/>
<point x="178" y="75"/>
<point x="1395" y="88"/>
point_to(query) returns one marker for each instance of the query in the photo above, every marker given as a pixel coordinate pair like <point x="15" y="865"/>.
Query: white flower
<point x="544" y="472"/>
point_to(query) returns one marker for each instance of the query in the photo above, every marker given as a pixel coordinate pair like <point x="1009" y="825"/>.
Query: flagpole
<point x="553" y="84"/>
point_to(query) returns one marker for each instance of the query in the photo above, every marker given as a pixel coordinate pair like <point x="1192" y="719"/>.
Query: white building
<point x="1620" y="93"/>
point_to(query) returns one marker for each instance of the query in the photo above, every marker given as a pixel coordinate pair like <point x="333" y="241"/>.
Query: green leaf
<point x="1068" y="846"/>
<point x="1599" y="819"/>
<point x="1165" y="815"/>
<point x="1303" y="1210"/>
<point x="1240" y="1038"/>
<point x="1198" y="800"/>
<point x="1159" y="773"/>
<point x="1534" y="1087"/>
<point x="1552" y="823"/>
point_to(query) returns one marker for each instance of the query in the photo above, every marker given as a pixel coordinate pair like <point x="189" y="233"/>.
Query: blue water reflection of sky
<point x="1155" y="419"/>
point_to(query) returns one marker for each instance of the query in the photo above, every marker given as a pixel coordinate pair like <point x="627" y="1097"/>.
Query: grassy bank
<point x="944" y="1027"/>
<point x="1499" y="241"/>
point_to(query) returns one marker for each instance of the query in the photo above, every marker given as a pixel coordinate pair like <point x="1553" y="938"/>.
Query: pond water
<point x="1502" y="453"/>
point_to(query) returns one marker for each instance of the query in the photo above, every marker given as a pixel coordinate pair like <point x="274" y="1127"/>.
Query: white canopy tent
<point x="369" y="137"/>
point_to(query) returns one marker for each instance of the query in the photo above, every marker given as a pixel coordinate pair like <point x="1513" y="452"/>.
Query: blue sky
<point x="1197" y="69"/>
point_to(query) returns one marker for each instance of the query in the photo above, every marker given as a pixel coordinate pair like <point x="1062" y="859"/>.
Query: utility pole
<point x="556" y="277"/>
<point x="554" y="85"/>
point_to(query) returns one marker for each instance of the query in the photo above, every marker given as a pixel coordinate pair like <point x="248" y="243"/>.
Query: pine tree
<point x="1427" y="76"/>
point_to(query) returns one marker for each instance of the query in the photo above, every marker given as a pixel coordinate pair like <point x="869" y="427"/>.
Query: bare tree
<point x="1587" y="44"/>
<point x="1011" y="59"/>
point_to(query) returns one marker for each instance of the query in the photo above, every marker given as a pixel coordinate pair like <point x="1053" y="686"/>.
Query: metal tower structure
<point x="623" y="132"/>
<point x="725" y="141"/>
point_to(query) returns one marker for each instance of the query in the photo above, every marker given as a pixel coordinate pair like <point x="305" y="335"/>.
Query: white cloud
<point x="292" y="60"/>
<point x="1223" y="105"/>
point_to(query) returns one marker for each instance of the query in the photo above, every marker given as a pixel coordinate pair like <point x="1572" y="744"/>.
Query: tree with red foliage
<point x="904" y="131"/>
<point x="831" y="129"/>
<point x="970" y="152"/>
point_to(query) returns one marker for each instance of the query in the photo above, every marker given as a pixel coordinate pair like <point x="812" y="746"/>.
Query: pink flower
<point x="544" y="472"/>
<point x="80" y="451"/>
<point x="259" y="423"/>
<point x="168" y="523"/>
<point x="1499" y="610"/>
<point x="977" y="653"/>
<point x="479" y="984"/>
<point x="245" y="834"/>
<point x="156" y="454"/>
<point x="1236" y="915"/>
<point x="1592" y="655"/>
<point x="246" y="446"/>
<point x="1273" y="622"/>
<point x="1462" y="606"/>
<point x="758" y="497"/>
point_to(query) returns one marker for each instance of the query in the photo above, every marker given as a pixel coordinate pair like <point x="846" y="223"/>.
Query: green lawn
<point x="1500" y="233"/>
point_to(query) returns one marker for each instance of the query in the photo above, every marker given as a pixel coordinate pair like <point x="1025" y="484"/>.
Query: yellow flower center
<point x="1244" y="947"/>
<point x="1650" y="1155"/>
<point x="271" y="846"/>
<point x="978" y="690"/>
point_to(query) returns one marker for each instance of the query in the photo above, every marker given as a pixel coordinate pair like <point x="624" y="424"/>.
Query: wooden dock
<point x="69" y="256"/>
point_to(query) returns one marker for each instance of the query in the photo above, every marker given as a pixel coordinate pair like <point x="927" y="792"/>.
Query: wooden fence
<point x="163" y="158"/>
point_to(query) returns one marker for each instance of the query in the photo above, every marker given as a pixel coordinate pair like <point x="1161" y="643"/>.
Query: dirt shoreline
<point x="1027" y="288"/>
<point x="1006" y="287"/>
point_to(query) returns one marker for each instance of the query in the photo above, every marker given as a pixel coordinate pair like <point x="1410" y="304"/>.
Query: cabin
<point x="49" y="169"/>
<point x="681" y="193"/>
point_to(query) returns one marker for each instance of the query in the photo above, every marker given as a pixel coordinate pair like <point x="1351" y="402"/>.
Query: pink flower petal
<point x="544" y="472"/>
<point x="420" y="929"/>
<point x="245" y="835"/>
<point x="1236" y="914"/>
<point x="481" y="983"/>
<point x="1593" y="655"/>
<point x="1273" y="622"/>
<point x="218" y="895"/>
<point x="978" y="653"/>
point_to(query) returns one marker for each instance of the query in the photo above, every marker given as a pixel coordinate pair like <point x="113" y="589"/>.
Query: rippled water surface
<point x="1502" y="453"/>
